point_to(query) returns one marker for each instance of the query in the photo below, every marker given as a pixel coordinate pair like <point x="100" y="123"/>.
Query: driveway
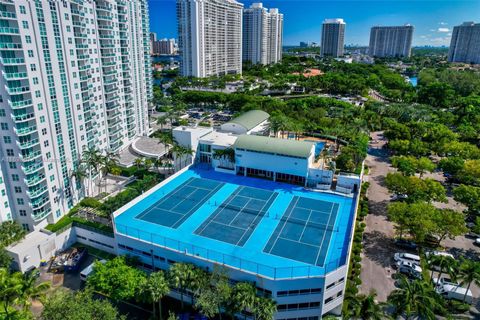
<point x="379" y="232"/>
<point x="379" y="248"/>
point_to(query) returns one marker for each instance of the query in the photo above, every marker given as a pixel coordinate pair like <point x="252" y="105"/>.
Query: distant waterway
<point x="413" y="81"/>
<point x="164" y="60"/>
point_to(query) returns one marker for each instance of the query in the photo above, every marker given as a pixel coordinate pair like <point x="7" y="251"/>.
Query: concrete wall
<point x="271" y="162"/>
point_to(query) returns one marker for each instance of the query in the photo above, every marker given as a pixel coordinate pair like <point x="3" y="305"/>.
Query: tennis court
<point x="304" y="231"/>
<point x="177" y="206"/>
<point x="236" y="218"/>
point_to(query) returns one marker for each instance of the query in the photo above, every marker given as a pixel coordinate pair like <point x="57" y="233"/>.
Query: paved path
<point x="378" y="243"/>
<point x="379" y="249"/>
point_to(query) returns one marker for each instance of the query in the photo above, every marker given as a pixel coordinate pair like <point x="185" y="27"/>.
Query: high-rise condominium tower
<point x="333" y="37"/>
<point x="465" y="43"/>
<point x="75" y="75"/>
<point x="394" y="41"/>
<point x="210" y="37"/>
<point x="262" y="34"/>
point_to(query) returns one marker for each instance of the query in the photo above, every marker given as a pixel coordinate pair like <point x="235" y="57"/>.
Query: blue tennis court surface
<point x="304" y="231"/>
<point x="172" y="210"/>
<point x="265" y="227"/>
<point x="238" y="216"/>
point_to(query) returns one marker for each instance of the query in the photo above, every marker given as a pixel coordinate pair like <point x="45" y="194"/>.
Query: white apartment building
<point x="391" y="41"/>
<point x="164" y="46"/>
<point x="75" y="74"/>
<point x="210" y="37"/>
<point x="465" y="43"/>
<point x="262" y="35"/>
<point x="333" y="38"/>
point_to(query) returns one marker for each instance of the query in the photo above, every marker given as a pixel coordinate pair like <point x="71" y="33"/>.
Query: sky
<point x="433" y="19"/>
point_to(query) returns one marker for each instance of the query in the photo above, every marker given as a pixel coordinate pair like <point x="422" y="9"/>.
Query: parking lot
<point x="379" y="247"/>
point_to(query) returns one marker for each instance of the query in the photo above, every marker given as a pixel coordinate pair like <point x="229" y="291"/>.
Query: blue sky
<point x="433" y="19"/>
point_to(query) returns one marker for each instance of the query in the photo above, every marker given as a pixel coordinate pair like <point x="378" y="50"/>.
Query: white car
<point x="439" y="253"/>
<point x="477" y="242"/>
<point x="410" y="269"/>
<point x="403" y="256"/>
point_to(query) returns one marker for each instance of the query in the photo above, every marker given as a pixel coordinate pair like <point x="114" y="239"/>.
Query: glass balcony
<point x="28" y="144"/>
<point x="12" y="61"/>
<point x="31" y="155"/>
<point x="32" y="167"/>
<point x="23" y="117"/>
<point x="36" y="192"/>
<point x="35" y="179"/>
<point x="9" y="30"/>
<point x="40" y="214"/>
<point x="10" y="45"/>
<point x="26" y="130"/>
<point x="21" y="104"/>
<point x="6" y="14"/>
<point x="17" y="90"/>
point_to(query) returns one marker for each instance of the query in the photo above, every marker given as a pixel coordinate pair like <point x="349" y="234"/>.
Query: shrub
<point x="90" y="202"/>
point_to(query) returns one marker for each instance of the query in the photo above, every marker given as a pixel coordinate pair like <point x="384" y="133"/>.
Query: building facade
<point x="465" y="43"/>
<point x="392" y="41"/>
<point x="164" y="47"/>
<point x="262" y="35"/>
<point x="333" y="38"/>
<point x="210" y="37"/>
<point x="75" y="75"/>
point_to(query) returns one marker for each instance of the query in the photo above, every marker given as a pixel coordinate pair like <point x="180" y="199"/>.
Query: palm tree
<point x="244" y="295"/>
<point x="369" y="309"/>
<point x="139" y="162"/>
<point x="161" y="121"/>
<point x="79" y="173"/>
<point x="264" y="308"/>
<point x="107" y="163"/>
<point x="158" y="163"/>
<point x="180" y="275"/>
<point x="445" y="263"/>
<point x="30" y="289"/>
<point x="91" y="158"/>
<point x="198" y="281"/>
<point x="156" y="288"/>
<point x="469" y="273"/>
<point x="10" y="288"/>
<point x="415" y="299"/>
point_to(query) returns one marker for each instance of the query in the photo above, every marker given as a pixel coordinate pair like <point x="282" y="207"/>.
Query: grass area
<point x="100" y="254"/>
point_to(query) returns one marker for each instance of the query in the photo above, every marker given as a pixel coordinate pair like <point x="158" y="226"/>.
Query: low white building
<point x="251" y="122"/>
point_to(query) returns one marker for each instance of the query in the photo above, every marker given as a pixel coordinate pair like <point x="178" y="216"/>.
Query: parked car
<point x="439" y="253"/>
<point x="85" y="273"/>
<point x="410" y="269"/>
<point x="406" y="244"/>
<point x="472" y="235"/>
<point x="403" y="256"/>
<point x="477" y="242"/>
<point x="452" y="291"/>
<point x="399" y="197"/>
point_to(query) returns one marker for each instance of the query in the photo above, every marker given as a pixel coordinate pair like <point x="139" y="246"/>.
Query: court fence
<point x="216" y="257"/>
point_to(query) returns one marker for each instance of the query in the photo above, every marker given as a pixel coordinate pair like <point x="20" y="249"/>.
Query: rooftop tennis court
<point x="304" y="231"/>
<point x="237" y="217"/>
<point x="269" y="228"/>
<point x="177" y="206"/>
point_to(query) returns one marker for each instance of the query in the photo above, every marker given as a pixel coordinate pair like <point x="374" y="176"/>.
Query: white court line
<point x="300" y="242"/>
<point x="323" y="239"/>
<point x="257" y="215"/>
<point x="305" y="225"/>
<point x="284" y="223"/>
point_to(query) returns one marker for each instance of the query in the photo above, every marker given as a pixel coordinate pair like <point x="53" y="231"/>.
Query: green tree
<point x="446" y="265"/>
<point x="414" y="299"/>
<point x="30" y="289"/>
<point x="469" y="272"/>
<point x="91" y="158"/>
<point x="405" y="164"/>
<point x="180" y="276"/>
<point x="369" y="309"/>
<point x="469" y="196"/>
<point x="415" y="189"/>
<point x="449" y="223"/>
<point x="243" y="296"/>
<point x="155" y="289"/>
<point x="264" y="308"/>
<point x="424" y="165"/>
<point x="66" y="305"/>
<point x="11" y="232"/>
<point x="216" y="296"/>
<point x="451" y="165"/>
<point x="116" y="279"/>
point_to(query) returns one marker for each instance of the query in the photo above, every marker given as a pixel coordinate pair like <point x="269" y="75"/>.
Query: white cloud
<point x="432" y="30"/>
<point x="443" y="30"/>
<point x="442" y="23"/>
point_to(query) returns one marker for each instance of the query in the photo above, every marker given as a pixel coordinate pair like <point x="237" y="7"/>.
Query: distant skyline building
<point x="465" y="43"/>
<point x="164" y="47"/>
<point x="262" y="35"/>
<point x="74" y="75"/>
<point x="333" y="38"/>
<point x="391" y="41"/>
<point x="210" y="37"/>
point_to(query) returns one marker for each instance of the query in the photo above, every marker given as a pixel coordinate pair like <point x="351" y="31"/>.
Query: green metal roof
<point x="293" y="148"/>
<point x="250" y="119"/>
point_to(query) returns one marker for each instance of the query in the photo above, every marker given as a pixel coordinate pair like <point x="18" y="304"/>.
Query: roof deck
<point x="272" y="229"/>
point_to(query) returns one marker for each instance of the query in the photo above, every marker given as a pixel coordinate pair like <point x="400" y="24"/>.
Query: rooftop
<point x="250" y="119"/>
<point x="294" y="148"/>
<point x="271" y="229"/>
<point x="219" y="139"/>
